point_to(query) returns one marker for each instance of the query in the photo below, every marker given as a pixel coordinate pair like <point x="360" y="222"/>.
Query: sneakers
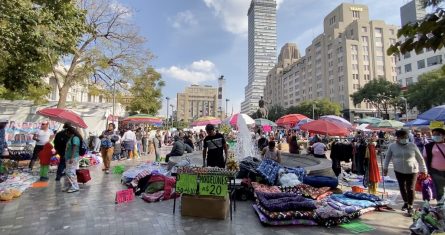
<point x="107" y="171"/>
<point x="71" y="190"/>
<point x="410" y="211"/>
<point x="405" y="207"/>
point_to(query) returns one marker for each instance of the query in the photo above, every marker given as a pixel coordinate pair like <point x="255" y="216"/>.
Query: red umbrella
<point x="290" y="119"/>
<point x="324" y="127"/>
<point x="63" y="115"/>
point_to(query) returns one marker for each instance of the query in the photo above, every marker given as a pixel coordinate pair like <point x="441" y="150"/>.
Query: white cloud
<point x="184" y="18"/>
<point x="198" y="72"/>
<point x="120" y="8"/>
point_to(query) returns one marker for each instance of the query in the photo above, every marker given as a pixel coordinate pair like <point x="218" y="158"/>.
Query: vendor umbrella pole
<point x="383" y="175"/>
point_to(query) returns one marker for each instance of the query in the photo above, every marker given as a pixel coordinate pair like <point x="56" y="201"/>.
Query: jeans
<point x="61" y="167"/>
<point x="439" y="181"/>
<point x="407" y="183"/>
<point x="35" y="155"/>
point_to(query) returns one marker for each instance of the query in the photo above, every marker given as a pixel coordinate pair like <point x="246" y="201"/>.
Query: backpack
<point x="83" y="148"/>
<point x="106" y="143"/>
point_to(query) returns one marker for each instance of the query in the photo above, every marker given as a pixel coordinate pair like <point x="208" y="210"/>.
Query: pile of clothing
<point x="156" y="187"/>
<point x="90" y="159"/>
<point x="132" y="176"/>
<point x="307" y="205"/>
<point x="15" y="185"/>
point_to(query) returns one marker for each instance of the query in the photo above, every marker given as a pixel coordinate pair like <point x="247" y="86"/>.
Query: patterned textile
<point x="352" y="202"/>
<point x="265" y="188"/>
<point x="286" y="215"/>
<point x="277" y="202"/>
<point x="328" y="216"/>
<point x="299" y="171"/>
<point x="129" y="175"/>
<point x="308" y="191"/>
<point x="321" y="181"/>
<point x="342" y="207"/>
<point x="268" y="169"/>
<point x="366" y="196"/>
<point x="265" y="220"/>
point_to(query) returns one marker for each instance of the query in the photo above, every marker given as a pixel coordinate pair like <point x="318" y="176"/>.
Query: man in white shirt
<point x="128" y="142"/>
<point x="319" y="150"/>
<point x="42" y="136"/>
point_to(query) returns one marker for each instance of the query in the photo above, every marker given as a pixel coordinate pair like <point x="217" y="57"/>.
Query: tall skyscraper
<point x="262" y="37"/>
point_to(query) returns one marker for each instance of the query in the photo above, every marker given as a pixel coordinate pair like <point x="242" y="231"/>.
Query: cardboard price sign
<point x="213" y="185"/>
<point x="187" y="184"/>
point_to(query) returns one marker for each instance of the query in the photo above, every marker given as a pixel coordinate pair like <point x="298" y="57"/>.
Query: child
<point x="45" y="157"/>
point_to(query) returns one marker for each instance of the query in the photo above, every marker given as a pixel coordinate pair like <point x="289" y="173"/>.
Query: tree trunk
<point x="63" y="95"/>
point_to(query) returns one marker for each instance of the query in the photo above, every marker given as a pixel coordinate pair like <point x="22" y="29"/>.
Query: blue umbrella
<point x="417" y="122"/>
<point x="434" y="114"/>
<point x="300" y="123"/>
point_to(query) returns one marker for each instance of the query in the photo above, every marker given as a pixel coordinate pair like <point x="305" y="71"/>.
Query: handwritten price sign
<point x="186" y="184"/>
<point x="213" y="185"/>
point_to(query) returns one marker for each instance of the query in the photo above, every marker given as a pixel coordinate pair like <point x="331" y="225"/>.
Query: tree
<point x="34" y="34"/>
<point x="316" y="108"/>
<point x="256" y="114"/>
<point x="275" y="112"/>
<point x="147" y="93"/>
<point x="380" y="93"/>
<point x="35" y="93"/>
<point x="111" y="50"/>
<point x="426" y="33"/>
<point x="428" y="91"/>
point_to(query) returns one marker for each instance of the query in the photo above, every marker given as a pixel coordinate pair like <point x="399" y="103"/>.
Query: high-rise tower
<point x="262" y="37"/>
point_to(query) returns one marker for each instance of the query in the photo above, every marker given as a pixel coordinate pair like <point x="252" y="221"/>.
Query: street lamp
<point x="313" y="111"/>
<point x="168" y="99"/>
<point x="406" y="107"/>
<point x="172" y="113"/>
<point x="227" y="101"/>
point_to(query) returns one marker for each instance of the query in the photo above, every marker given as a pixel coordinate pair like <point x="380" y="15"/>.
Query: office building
<point x="262" y="44"/>
<point x="197" y="101"/>
<point x="411" y="65"/>
<point x="348" y="54"/>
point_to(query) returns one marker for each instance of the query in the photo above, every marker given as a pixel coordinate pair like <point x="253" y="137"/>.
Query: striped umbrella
<point x="143" y="118"/>
<point x="202" y="121"/>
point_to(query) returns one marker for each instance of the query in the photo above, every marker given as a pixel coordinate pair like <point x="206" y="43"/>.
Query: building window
<point x="366" y="77"/>
<point x="365" y="39"/>
<point x="364" y="29"/>
<point x="391" y="31"/>
<point x="434" y="60"/>
<point x="420" y="64"/>
<point x="366" y="57"/>
<point x="366" y="67"/>
<point x="355" y="76"/>
<point x="354" y="57"/>
<point x="378" y="32"/>
<point x="407" y="55"/>
<point x="408" y="68"/>
<point x="356" y="14"/>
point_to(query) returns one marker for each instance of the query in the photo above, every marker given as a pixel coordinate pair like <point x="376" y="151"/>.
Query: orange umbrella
<point x="324" y="127"/>
<point x="290" y="119"/>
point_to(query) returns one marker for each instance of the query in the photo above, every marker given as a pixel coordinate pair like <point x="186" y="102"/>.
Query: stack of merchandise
<point x="15" y="185"/>
<point x="132" y="176"/>
<point x="90" y="159"/>
<point x="271" y="171"/>
<point x="429" y="219"/>
<point x="206" y="170"/>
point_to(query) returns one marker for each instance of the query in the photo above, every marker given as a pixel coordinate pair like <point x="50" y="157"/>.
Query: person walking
<point x="139" y="136"/>
<point x="72" y="159"/>
<point x="145" y="141"/>
<point x="42" y="136"/>
<point x="407" y="160"/>
<point x="108" y="139"/>
<point x="128" y="141"/>
<point x="214" y="147"/>
<point x="60" y="140"/>
<point x="157" y="142"/>
<point x="434" y="153"/>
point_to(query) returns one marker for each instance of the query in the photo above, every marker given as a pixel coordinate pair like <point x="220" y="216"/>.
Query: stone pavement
<point x="93" y="211"/>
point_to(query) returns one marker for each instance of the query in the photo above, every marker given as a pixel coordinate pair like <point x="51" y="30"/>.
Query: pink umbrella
<point x="233" y="120"/>
<point x="202" y="121"/>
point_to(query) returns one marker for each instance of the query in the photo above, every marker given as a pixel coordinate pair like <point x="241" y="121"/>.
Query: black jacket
<point x="60" y="141"/>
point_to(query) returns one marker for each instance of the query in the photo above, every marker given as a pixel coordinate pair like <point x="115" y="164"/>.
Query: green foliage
<point x="275" y="112"/>
<point x="147" y="92"/>
<point x="378" y="92"/>
<point x="256" y="114"/>
<point x="428" y="91"/>
<point x="225" y="129"/>
<point x="34" y="34"/>
<point x="35" y="93"/>
<point x="426" y="33"/>
<point x="320" y="108"/>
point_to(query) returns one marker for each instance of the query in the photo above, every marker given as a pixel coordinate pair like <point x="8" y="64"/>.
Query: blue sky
<point x="196" y="41"/>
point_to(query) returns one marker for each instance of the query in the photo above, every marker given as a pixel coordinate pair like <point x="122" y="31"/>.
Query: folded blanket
<point x="265" y="220"/>
<point x="321" y="181"/>
<point x="265" y="188"/>
<point x="284" y="202"/>
<point x="342" y="207"/>
<point x="366" y="196"/>
<point x="308" y="191"/>
<point x="287" y="215"/>
<point x="352" y="202"/>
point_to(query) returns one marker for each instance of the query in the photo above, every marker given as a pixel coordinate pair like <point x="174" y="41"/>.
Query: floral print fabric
<point x="308" y="191"/>
<point x="265" y="188"/>
<point x="278" y="202"/>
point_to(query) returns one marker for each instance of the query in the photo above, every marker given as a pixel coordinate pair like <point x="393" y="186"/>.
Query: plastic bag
<point x="419" y="228"/>
<point x="289" y="180"/>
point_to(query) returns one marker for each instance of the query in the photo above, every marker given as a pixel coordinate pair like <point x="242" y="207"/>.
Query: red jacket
<point x="46" y="154"/>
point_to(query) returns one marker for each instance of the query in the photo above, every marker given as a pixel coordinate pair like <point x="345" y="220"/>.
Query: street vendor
<point x="215" y="144"/>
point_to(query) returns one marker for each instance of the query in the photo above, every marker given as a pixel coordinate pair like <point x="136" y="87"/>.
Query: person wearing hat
<point x="60" y="141"/>
<point x="434" y="153"/>
<point x="42" y="136"/>
<point x="214" y="146"/>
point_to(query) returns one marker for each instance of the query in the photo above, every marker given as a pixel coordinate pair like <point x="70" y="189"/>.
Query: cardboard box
<point x="205" y="206"/>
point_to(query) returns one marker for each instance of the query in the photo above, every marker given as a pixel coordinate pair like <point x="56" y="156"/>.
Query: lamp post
<point x="227" y="101"/>
<point x="406" y="107"/>
<point x="313" y="111"/>
<point x="172" y="113"/>
<point x="168" y="99"/>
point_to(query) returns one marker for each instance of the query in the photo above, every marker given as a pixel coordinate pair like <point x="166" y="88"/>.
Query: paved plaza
<point x="93" y="211"/>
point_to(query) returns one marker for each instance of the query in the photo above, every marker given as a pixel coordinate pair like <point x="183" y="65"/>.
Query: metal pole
<point x="406" y="110"/>
<point x="168" y="99"/>
<point x="313" y="111"/>
<point x="114" y="99"/>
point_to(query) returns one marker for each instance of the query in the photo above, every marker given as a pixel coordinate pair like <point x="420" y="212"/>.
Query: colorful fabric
<point x="45" y="154"/>
<point x="352" y="202"/>
<point x="287" y="215"/>
<point x="284" y="202"/>
<point x="428" y="189"/>
<point x="308" y="191"/>
<point x="265" y="220"/>
<point x="257" y="187"/>
<point x="268" y="169"/>
<point x="366" y="196"/>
